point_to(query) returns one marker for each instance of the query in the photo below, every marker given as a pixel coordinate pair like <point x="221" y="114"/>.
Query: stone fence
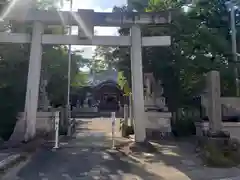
<point x="44" y="121"/>
<point x="218" y="107"/>
<point x="44" y="125"/>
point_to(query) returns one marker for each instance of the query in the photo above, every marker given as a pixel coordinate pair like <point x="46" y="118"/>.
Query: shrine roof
<point x="102" y="76"/>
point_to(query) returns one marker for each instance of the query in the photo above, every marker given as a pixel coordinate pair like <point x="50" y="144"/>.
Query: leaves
<point x="200" y="42"/>
<point x="105" y="57"/>
<point x="123" y="83"/>
<point x="14" y="60"/>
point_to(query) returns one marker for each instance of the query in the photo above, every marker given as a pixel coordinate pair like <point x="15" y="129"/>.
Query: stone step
<point x="94" y="114"/>
<point x="85" y="114"/>
<point x="85" y="110"/>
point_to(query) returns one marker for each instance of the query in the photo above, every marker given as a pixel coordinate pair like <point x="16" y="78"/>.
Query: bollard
<point x="56" y="146"/>
<point x="126" y="114"/>
<point x="113" y="116"/>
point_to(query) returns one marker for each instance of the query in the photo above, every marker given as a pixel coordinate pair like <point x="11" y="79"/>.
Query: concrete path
<point x="88" y="156"/>
<point x="177" y="160"/>
<point x="10" y="157"/>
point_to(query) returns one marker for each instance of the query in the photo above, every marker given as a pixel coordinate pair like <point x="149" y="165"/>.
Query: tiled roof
<point x="106" y="75"/>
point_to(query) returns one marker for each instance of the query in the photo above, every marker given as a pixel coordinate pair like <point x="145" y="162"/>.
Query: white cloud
<point x="99" y="9"/>
<point x="76" y="5"/>
<point x="105" y="31"/>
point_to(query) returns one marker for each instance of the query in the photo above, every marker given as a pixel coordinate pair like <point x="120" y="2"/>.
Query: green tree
<point x="14" y="69"/>
<point x="200" y="42"/>
<point x="55" y="61"/>
<point x="105" y="55"/>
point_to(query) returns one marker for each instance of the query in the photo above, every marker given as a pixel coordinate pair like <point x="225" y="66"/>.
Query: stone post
<point x="125" y="121"/>
<point x="125" y="114"/>
<point x="148" y="85"/>
<point x="63" y="120"/>
<point x="131" y="110"/>
<point x="214" y="101"/>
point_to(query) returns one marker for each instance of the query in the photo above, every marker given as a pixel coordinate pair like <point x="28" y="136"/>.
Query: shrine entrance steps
<point x="98" y="114"/>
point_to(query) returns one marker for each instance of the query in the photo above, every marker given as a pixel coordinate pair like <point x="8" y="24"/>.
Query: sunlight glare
<point x="82" y="24"/>
<point x="7" y="10"/>
<point x="62" y="19"/>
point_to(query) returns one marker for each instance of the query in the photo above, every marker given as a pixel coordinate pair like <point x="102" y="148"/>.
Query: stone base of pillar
<point x="232" y="127"/>
<point x="158" y="123"/>
<point x="44" y="125"/>
<point x="18" y="134"/>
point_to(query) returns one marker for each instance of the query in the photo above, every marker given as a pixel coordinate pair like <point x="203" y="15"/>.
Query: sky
<point x="98" y="6"/>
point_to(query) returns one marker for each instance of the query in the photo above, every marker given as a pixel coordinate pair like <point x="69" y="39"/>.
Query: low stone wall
<point x="232" y="127"/>
<point x="160" y="121"/>
<point x="44" y="121"/>
<point x="44" y="125"/>
<point x="85" y="110"/>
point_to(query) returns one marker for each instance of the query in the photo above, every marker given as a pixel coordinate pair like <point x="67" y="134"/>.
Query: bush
<point x="126" y="130"/>
<point x="220" y="152"/>
<point x="214" y="157"/>
<point x="7" y="122"/>
<point x="184" y="127"/>
<point x="12" y="102"/>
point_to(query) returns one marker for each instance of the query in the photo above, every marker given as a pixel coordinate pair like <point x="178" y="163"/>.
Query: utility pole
<point x="69" y="71"/>
<point x="234" y="45"/>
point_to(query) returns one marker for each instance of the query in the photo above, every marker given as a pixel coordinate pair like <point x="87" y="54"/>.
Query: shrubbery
<point x="11" y="103"/>
<point x="220" y="152"/>
<point x="183" y="127"/>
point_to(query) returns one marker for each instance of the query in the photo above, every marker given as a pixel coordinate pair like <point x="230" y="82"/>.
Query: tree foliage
<point x="200" y="42"/>
<point x="14" y="59"/>
<point x="104" y="54"/>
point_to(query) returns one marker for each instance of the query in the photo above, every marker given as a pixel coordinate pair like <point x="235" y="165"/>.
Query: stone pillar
<point x="43" y="102"/>
<point x="125" y="122"/>
<point x="137" y="84"/>
<point x="34" y="69"/>
<point x="148" y="89"/>
<point x="214" y="101"/>
<point x="126" y="116"/>
<point x="131" y="110"/>
<point x="204" y="103"/>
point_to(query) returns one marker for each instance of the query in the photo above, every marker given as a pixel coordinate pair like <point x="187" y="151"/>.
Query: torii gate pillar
<point x="137" y="84"/>
<point x="34" y="72"/>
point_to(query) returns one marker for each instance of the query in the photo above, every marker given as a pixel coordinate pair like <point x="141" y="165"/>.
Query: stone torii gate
<point x="85" y="20"/>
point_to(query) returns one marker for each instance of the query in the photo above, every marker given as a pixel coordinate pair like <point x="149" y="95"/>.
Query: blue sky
<point x="98" y="6"/>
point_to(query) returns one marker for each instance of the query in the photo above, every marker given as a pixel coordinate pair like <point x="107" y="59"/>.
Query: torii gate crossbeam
<point x="89" y="19"/>
<point x="74" y="39"/>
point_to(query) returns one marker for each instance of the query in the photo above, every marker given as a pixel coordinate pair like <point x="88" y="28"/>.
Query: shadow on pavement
<point x="181" y="156"/>
<point x="88" y="156"/>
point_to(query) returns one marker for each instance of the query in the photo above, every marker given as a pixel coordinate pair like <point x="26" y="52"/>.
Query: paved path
<point x="89" y="157"/>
